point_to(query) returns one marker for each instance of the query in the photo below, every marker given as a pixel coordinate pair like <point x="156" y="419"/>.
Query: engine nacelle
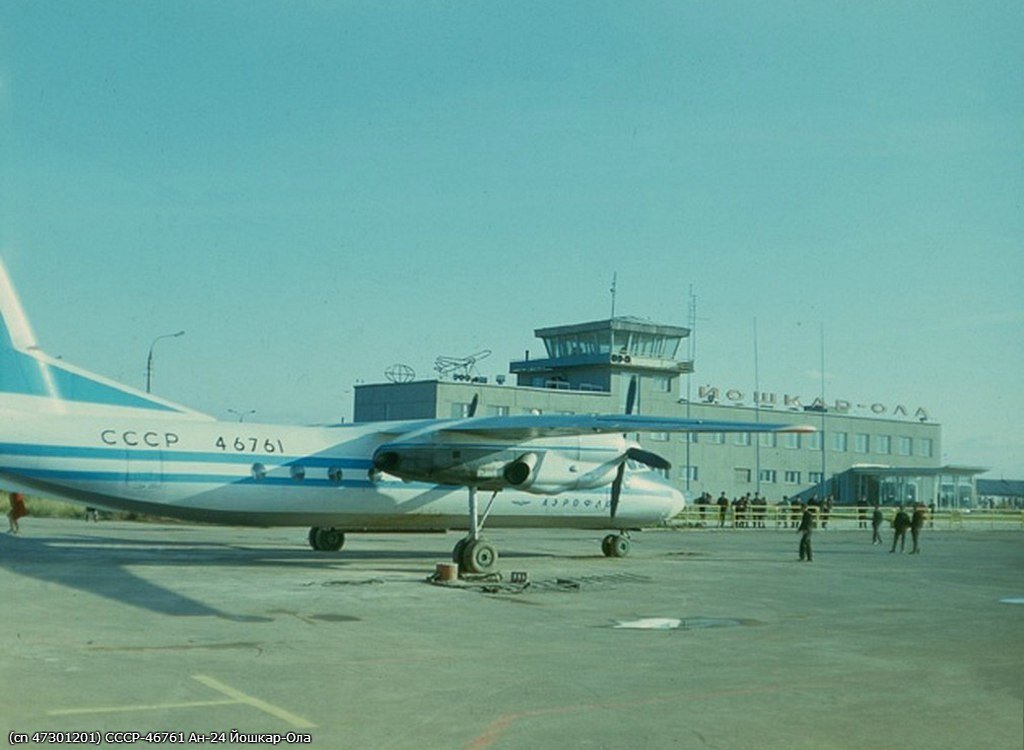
<point x="539" y="471"/>
<point x="549" y="472"/>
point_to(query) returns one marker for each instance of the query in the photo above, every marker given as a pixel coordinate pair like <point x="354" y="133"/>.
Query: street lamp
<point x="149" y="359"/>
<point x="242" y="414"/>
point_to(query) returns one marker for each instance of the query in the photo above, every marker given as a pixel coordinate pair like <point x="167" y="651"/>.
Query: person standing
<point x="916" y="524"/>
<point x="804" y="530"/>
<point x="876" y="525"/>
<point x="900" y="524"/>
<point x="723" y="508"/>
<point x="17" y="511"/>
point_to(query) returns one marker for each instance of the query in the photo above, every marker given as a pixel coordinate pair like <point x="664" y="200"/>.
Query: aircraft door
<point x="144" y="469"/>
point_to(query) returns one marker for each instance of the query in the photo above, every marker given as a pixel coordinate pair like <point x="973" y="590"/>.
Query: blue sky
<point x="315" y="191"/>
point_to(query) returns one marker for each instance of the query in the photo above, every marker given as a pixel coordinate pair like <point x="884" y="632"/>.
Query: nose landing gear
<point x="615" y="545"/>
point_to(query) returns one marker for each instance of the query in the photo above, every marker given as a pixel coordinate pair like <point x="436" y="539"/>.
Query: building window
<point x="660" y="437"/>
<point x="767" y="439"/>
<point x="839" y="442"/>
<point x="716" y="437"/>
<point x="791" y="440"/>
<point x="815" y="477"/>
<point x="904" y="445"/>
<point x="741" y="438"/>
<point x="661" y="383"/>
<point x="690" y="437"/>
<point x="860" y="443"/>
<point x="813" y="441"/>
<point x="791" y="477"/>
<point x="924" y="447"/>
<point x="883" y="444"/>
<point x="497" y="411"/>
<point x="742" y="476"/>
<point x="460" y="410"/>
<point x="769" y="475"/>
<point x="688" y="472"/>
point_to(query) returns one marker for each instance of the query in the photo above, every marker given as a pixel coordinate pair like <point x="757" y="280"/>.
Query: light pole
<point x="242" y="414"/>
<point x="149" y="359"/>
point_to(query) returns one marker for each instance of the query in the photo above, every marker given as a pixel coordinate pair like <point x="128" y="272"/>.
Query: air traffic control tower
<point x="601" y="355"/>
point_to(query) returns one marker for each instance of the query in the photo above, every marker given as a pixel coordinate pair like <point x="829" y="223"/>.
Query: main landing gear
<point x="473" y="553"/>
<point x="326" y="539"/>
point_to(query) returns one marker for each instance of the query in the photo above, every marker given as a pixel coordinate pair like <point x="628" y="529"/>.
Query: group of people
<point x="901" y="522"/>
<point x="748" y="511"/>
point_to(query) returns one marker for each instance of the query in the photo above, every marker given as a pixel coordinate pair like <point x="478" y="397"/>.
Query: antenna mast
<point x="615" y="279"/>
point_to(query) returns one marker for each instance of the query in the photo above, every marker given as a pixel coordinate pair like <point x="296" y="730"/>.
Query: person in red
<point x="17" y="510"/>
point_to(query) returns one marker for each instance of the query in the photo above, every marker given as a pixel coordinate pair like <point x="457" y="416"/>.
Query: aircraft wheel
<point x="331" y="540"/>
<point x="619" y="546"/>
<point x="478" y="556"/>
<point x="457" y="551"/>
<point x="326" y="539"/>
<point x="606" y="545"/>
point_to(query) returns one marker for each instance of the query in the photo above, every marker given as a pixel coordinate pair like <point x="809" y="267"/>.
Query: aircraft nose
<point x="676" y="504"/>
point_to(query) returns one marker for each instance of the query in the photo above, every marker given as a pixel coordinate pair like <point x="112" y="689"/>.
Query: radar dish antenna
<point x="399" y="373"/>
<point x="459" y="368"/>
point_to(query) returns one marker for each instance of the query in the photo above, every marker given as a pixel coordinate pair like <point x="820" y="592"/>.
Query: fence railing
<point x="846" y="517"/>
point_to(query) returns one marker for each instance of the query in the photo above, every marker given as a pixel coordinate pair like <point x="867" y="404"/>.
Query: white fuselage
<point x="276" y="475"/>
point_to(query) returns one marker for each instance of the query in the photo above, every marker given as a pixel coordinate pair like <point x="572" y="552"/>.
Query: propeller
<point x="650" y="459"/>
<point x="637" y="454"/>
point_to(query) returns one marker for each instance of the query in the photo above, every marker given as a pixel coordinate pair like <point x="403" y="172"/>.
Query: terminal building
<point x="859" y="454"/>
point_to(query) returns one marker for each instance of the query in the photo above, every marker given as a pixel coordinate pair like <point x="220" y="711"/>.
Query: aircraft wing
<point x="528" y="426"/>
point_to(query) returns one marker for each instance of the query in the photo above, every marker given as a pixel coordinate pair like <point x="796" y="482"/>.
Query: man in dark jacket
<point x="900" y="524"/>
<point x="876" y="525"/>
<point x="804" y="530"/>
<point x="916" y="524"/>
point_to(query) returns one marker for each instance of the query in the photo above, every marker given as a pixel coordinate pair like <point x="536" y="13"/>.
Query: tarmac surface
<point x="699" y="639"/>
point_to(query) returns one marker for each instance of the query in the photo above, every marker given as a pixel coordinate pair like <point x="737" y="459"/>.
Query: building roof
<point x="1001" y="487"/>
<point x="618" y="323"/>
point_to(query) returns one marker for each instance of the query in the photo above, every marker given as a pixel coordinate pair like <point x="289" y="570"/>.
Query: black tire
<point x="606" y="545"/>
<point x="620" y="546"/>
<point x="479" y="556"/>
<point x="331" y="539"/>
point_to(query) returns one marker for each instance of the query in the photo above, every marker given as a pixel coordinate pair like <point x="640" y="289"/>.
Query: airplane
<point x="71" y="434"/>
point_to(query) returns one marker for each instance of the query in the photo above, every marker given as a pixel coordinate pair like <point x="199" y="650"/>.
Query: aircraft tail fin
<point x="32" y="380"/>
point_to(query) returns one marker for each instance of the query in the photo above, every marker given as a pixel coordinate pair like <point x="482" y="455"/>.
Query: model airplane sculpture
<point x="71" y="434"/>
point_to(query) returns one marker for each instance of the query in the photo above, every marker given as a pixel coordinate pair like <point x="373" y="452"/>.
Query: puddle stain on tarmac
<point x="690" y="623"/>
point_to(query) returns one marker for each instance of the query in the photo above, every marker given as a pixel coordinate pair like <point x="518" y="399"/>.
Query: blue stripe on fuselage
<point x="119" y="454"/>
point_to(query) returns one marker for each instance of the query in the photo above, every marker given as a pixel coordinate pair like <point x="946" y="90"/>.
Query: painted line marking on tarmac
<point x="270" y="708"/>
<point x="124" y="709"/>
<point x="235" y="698"/>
